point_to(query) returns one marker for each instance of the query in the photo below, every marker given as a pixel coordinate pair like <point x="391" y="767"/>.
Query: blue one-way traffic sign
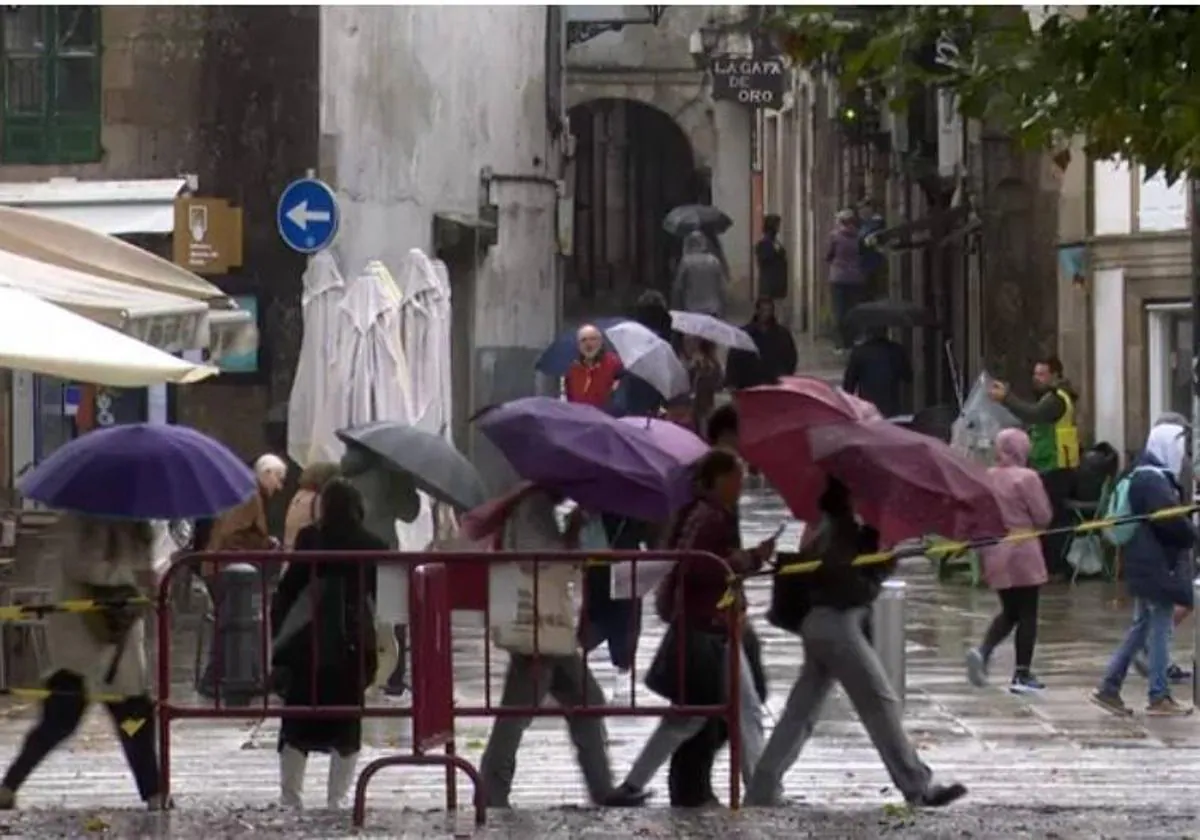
<point x="307" y="215"/>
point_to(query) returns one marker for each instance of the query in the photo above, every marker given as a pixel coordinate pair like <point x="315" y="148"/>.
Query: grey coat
<point x="700" y="281"/>
<point x="80" y="553"/>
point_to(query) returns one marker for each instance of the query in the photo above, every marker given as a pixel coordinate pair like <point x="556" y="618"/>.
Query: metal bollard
<point x="239" y="635"/>
<point x="888" y="632"/>
<point x="1196" y="644"/>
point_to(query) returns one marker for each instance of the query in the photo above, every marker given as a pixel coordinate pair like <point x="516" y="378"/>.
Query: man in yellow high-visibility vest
<point x="1050" y="421"/>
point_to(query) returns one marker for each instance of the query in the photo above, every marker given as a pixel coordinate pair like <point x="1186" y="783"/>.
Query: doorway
<point x="633" y="164"/>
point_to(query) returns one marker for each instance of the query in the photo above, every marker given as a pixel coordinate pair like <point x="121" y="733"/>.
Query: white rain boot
<point x="341" y="776"/>
<point x="292" y="764"/>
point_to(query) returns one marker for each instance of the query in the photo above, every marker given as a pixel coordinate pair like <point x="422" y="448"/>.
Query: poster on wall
<point x="246" y="362"/>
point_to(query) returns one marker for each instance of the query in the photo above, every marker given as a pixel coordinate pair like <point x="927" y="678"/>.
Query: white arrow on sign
<point x="300" y="215"/>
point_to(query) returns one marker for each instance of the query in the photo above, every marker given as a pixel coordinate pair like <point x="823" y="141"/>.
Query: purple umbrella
<point x="142" y="471"/>
<point x="602" y="463"/>
<point x="682" y="444"/>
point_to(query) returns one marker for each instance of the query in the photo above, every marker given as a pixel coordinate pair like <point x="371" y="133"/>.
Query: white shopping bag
<point x="649" y="574"/>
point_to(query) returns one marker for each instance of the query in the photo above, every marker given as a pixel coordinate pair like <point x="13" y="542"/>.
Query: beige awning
<point x="38" y="336"/>
<point x="73" y="246"/>
<point x="169" y="322"/>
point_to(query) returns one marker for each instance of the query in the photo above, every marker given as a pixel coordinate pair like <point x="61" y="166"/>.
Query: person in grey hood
<point x="846" y="280"/>
<point x="700" y="280"/>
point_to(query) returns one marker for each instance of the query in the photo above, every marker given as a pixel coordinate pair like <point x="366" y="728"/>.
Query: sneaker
<point x="1178" y="675"/>
<point x="8" y="799"/>
<point x="1167" y="707"/>
<point x="977" y="668"/>
<point x="1175" y="673"/>
<point x="626" y="796"/>
<point x="939" y="796"/>
<point x="1111" y="703"/>
<point x="1025" y="684"/>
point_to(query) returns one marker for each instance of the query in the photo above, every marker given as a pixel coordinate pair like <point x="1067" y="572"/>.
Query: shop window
<point x="51" y="107"/>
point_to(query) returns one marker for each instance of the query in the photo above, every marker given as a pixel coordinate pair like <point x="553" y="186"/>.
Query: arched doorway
<point x="633" y="163"/>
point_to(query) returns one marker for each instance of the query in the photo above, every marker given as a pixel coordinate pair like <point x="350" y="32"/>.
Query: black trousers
<point x="1018" y="611"/>
<point x="1059" y="485"/>
<point x="63" y="711"/>
<point x="689" y="779"/>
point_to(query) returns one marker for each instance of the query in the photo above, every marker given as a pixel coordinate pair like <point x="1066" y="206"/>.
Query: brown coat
<point x="244" y="528"/>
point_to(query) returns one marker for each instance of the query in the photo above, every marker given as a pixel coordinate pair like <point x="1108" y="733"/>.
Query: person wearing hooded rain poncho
<point x="701" y="279"/>
<point x="1157" y="573"/>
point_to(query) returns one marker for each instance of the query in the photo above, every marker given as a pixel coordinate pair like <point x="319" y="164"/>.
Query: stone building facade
<point x="153" y="92"/>
<point x="442" y="128"/>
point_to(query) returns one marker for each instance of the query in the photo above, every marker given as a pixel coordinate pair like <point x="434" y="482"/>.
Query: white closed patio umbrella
<point x="39" y="336"/>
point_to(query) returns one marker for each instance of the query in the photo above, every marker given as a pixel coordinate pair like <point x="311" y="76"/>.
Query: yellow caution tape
<point x="951" y="547"/>
<point x="75" y="606"/>
<point x="941" y="549"/>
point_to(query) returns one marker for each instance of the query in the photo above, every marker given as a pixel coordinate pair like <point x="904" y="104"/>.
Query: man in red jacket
<point x="592" y="377"/>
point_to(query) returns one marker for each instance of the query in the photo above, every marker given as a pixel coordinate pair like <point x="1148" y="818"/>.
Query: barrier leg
<point x="888" y="632"/>
<point x="1196" y="644"/>
<point x="451" y="779"/>
<point x="449" y="761"/>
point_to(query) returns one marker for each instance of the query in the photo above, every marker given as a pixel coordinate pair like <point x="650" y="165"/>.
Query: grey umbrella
<point x="690" y="217"/>
<point x="435" y="466"/>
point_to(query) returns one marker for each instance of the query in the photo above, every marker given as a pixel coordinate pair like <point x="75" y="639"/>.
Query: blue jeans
<point x="1151" y="630"/>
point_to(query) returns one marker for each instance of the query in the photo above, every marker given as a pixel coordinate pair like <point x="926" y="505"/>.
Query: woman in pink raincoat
<point x="1015" y="570"/>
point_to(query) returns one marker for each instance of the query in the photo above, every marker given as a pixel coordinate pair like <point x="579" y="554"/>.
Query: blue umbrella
<point x="142" y="471"/>
<point x="604" y="464"/>
<point x="557" y="358"/>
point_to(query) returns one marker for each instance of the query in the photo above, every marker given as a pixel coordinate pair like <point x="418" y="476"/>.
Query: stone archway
<point x="633" y="163"/>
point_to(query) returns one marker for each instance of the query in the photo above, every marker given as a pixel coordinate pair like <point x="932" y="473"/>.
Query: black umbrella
<point x="692" y="217"/>
<point x="435" y="466"/>
<point x="889" y="313"/>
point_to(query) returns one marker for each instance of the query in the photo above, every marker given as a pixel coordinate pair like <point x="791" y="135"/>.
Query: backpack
<point x="1118" y="508"/>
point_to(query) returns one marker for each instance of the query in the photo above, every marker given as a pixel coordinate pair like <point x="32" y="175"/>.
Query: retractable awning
<point x="41" y="337"/>
<point x="111" y="207"/>
<point x="68" y="224"/>
<point x="166" y="321"/>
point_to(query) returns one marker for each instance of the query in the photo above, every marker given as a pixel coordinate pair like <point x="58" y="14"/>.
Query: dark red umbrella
<point x="773" y="426"/>
<point x="908" y="485"/>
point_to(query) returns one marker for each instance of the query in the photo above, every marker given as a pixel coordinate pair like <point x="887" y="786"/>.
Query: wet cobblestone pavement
<point x="1045" y="766"/>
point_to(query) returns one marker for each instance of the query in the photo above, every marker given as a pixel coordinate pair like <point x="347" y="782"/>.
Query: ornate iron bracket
<point x="582" y="31"/>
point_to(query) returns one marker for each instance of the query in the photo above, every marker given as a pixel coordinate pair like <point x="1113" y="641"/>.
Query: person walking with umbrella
<point x="700" y="280"/>
<point x="689" y="778"/>
<point x="1017" y="570"/>
<point x="546" y="660"/>
<point x="117" y="486"/>
<point x="99" y="654"/>
<point x="877" y="371"/>
<point x="831" y="612"/>
<point x="709" y="524"/>
<point x="634" y="396"/>
<point x="335" y="668"/>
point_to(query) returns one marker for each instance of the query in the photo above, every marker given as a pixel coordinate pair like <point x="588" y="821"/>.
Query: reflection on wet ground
<point x="1043" y="766"/>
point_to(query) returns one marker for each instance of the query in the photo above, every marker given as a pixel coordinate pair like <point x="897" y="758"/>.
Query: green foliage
<point x="1126" y="78"/>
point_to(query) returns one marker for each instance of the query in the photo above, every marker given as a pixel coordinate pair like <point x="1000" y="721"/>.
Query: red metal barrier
<point x="447" y="581"/>
<point x="433" y="694"/>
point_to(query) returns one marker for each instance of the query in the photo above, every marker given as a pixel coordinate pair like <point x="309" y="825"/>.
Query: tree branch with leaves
<point x="1124" y="78"/>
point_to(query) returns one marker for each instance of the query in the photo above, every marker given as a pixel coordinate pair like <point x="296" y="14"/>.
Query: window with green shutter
<point x="51" y="84"/>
